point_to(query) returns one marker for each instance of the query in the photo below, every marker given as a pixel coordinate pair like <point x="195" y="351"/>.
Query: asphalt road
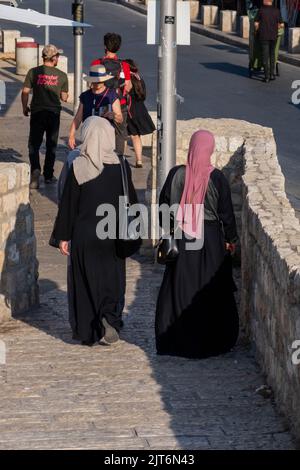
<point x="212" y="77"/>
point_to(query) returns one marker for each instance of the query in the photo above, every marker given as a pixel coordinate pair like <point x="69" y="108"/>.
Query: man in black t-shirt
<point x="49" y="86"/>
<point x="267" y="23"/>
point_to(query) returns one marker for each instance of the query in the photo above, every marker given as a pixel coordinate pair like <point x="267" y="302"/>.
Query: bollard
<point x="195" y="9"/>
<point x="206" y="15"/>
<point x="26" y="57"/>
<point x="214" y="17"/>
<point x="244" y="27"/>
<point x="294" y="40"/>
<point x="9" y="40"/>
<point x="228" y="21"/>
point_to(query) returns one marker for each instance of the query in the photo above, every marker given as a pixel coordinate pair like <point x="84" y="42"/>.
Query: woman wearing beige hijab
<point x="93" y="179"/>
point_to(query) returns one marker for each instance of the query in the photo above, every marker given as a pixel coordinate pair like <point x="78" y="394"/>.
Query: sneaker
<point x="110" y="335"/>
<point x="51" y="180"/>
<point x="35" y="179"/>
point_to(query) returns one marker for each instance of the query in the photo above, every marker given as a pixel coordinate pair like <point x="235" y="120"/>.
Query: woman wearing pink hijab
<point x="196" y="313"/>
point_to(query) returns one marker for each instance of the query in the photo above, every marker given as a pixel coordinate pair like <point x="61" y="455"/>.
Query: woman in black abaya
<point x="93" y="179"/>
<point x="196" y="313"/>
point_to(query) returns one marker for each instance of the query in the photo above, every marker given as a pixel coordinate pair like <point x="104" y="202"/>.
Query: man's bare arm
<point x="24" y="99"/>
<point x="128" y="86"/>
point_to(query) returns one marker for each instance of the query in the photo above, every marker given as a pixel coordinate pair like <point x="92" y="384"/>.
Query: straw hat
<point x="97" y="74"/>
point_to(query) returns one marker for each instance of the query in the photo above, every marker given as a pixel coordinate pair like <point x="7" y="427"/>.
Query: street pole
<point x="166" y="106"/>
<point x="77" y="10"/>
<point x="47" y="10"/>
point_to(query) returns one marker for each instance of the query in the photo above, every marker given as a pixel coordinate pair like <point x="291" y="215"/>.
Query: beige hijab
<point x="97" y="148"/>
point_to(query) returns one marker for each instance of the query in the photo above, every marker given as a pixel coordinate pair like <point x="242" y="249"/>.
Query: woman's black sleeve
<point x="68" y="209"/>
<point x="131" y="189"/>
<point x="225" y="210"/>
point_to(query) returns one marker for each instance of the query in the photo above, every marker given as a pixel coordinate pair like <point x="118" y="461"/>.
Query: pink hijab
<point x="198" y="169"/>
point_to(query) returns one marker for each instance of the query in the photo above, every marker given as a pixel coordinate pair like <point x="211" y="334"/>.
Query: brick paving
<point x="57" y="394"/>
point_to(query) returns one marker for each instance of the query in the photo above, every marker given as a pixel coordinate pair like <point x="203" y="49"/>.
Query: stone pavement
<point x="57" y="394"/>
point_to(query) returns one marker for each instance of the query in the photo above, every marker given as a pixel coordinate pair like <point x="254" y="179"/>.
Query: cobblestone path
<point x="57" y="394"/>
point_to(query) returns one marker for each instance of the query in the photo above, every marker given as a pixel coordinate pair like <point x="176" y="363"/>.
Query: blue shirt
<point x="97" y="104"/>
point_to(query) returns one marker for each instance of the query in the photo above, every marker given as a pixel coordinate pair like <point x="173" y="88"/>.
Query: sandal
<point x="139" y="165"/>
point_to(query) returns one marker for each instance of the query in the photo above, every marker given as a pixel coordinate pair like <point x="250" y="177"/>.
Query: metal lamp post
<point x="166" y="106"/>
<point x="77" y="11"/>
<point x="47" y="10"/>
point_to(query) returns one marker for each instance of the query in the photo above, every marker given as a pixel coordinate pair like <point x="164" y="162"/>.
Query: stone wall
<point x="270" y="247"/>
<point x="18" y="264"/>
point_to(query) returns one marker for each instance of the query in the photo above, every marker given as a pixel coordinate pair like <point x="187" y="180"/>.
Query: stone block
<point x="9" y="203"/>
<point x="244" y="27"/>
<point x="5" y="230"/>
<point x="195" y="9"/>
<point x="228" y="21"/>
<point x="9" y="37"/>
<point x="2" y="260"/>
<point x="214" y="17"/>
<point x="18" y="264"/>
<point x="206" y="15"/>
<point x="11" y="175"/>
<point x="25" y="174"/>
<point x="22" y="198"/>
<point x="3" y="181"/>
<point x="294" y="41"/>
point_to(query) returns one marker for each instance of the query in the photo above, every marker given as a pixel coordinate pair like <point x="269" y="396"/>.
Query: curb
<point x="215" y="34"/>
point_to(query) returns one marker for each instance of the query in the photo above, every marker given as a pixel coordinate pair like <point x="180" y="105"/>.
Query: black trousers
<point x="268" y="55"/>
<point x="121" y="133"/>
<point x="43" y="122"/>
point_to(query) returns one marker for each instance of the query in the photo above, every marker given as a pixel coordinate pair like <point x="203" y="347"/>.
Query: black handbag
<point x="167" y="246"/>
<point x="167" y="249"/>
<point x="127" y="243"/>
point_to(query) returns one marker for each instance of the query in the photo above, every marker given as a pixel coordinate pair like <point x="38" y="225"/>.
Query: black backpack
<point x="114" y="68"/>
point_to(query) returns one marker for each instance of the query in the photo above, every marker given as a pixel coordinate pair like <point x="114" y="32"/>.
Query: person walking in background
<point x="93" y="178"/>
<point x="120" y="81"/>
<point x="196" y="313"/>
<point x="97" y="101"/>
<point x="139" y="121"/>
<point x="267" y="23"/>
<point x="49" y="86"/>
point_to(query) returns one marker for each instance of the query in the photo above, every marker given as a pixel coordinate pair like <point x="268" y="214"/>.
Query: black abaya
<point x="97" y="278"/>
<point x="196" y="313"/>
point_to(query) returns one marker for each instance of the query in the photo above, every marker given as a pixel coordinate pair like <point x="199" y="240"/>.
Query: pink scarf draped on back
<point x="198" y="169"/>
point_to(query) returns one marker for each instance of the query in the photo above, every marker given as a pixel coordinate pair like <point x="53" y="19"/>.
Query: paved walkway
<point x="57" y="394"/>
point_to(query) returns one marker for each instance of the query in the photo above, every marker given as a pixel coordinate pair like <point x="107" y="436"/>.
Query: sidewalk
<point x="57" y="394"/>
<point x="214" y="33"/>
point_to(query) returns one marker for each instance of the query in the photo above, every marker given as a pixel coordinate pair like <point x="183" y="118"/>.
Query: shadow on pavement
<point x="227" y="48"/>
<point x="226" y="68"/>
